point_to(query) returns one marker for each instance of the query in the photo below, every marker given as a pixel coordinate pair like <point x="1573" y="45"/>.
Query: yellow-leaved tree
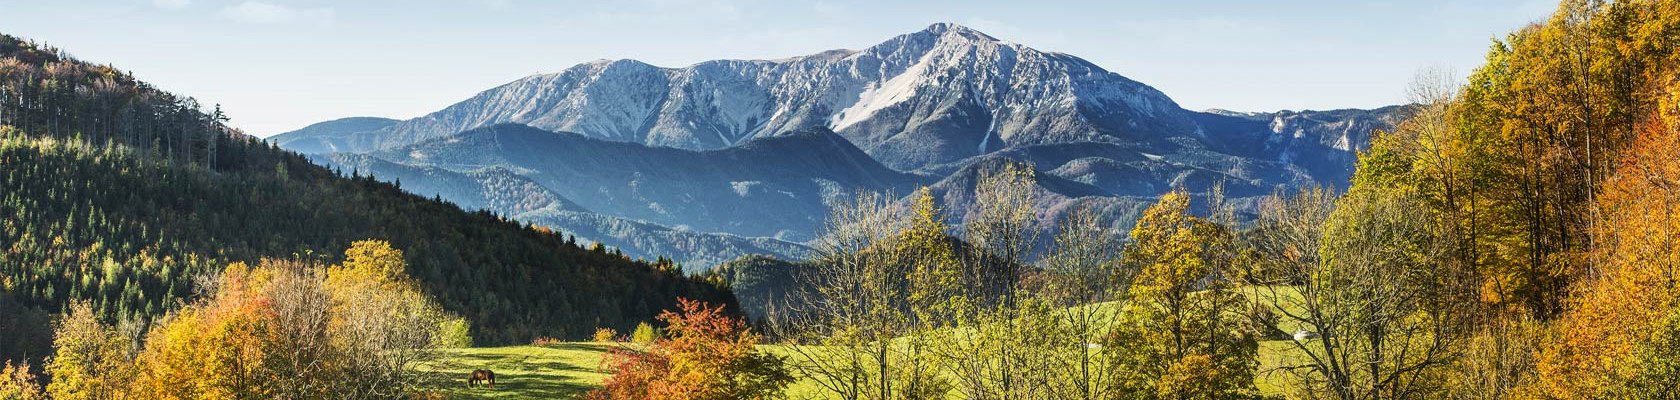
<point x="91" y="360"/>
<point x="1180" y="337"/>
<point x="281" y="329"/>
<point x="938" y="294"/>
<point x="18" y="382"/>
<point x="1610" y="343"/>
<point x="214" y="350"/>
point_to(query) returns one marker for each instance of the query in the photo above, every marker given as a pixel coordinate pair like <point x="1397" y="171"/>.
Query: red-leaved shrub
<point x="705" y="355"/>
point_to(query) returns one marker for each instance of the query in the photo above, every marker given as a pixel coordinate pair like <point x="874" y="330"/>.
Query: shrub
<point x="606" y="335"/>
<point x="645" y="333"/>
<point x="707" y="355"/>
<point x="545" y="341"/>
<point x="454" y="333"/>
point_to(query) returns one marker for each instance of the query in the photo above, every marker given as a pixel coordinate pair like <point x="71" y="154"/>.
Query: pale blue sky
<point x="277" y="65"/>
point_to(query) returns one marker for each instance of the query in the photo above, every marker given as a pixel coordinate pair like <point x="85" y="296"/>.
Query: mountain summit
<point x="937" y="95"/>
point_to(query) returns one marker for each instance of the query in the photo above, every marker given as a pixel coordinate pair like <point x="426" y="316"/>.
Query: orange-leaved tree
<point x="706" y="355"/>
<point x="281" y="329"/>
<point x="1597" y="349"/>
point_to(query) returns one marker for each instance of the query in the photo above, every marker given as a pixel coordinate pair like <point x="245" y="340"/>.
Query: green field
<point x="522" y="372"/>
<point x="570" y="369"/>
<point x="565" y="370"/>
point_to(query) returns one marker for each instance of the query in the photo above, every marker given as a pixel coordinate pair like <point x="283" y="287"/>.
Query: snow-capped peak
<point x="948" y="28"/>
<point x="938" y="85"/>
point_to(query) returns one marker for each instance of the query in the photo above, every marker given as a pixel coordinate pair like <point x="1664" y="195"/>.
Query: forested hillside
<point x="122" y="195"/>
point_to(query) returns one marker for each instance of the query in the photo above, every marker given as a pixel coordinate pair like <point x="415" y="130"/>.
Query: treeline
<point x="124" y="209"/>
<point x="45" y="91"/>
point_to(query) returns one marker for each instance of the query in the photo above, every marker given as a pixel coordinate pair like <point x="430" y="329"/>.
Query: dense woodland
<point x="121" y="195"/>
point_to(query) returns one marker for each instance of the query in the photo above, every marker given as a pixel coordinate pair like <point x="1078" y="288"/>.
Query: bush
<point x="545" y="341"/>
<point x="707" y="355"/>
<point x="454" y="333"/>
<point x="604" y="335"/>
<point x="645" y="333"/>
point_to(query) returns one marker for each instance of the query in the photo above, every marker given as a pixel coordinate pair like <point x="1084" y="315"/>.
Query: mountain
<point x="937" y="95"/>
<point x="777" y="186"/>
<point x="690" y="147"/>
<point x="123" y="196"/>
<point x="922" y="100"/>
<point x="333" y="136"/>
<point x="1325" y="144"/>
<point x="506" y="193"/>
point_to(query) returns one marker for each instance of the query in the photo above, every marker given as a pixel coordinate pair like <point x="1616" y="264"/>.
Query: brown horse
<point x="481" y="376"/>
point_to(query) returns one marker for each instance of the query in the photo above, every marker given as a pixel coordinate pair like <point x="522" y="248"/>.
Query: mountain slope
<point x="506" y="193"/>
<point x="1324" y="144"/>
<point x="776" y="186"/>
<point x="169" y="194"/>
<point x="333" y="136"/>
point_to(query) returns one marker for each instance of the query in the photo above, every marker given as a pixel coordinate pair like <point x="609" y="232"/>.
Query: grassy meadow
<point x="564" y="370"/>
<point x="570" y="369"/>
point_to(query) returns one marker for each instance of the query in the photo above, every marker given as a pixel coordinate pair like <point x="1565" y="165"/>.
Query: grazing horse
<point x="481" y="376"/>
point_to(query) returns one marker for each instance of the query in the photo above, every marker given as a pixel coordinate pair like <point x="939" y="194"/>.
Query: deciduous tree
<point x="1180" y="337"/>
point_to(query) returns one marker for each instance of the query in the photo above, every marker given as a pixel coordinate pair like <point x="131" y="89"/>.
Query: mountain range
<point x="751" y="152"/>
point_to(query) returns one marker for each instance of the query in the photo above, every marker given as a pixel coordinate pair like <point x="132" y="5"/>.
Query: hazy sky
<point x="277" y="65"/>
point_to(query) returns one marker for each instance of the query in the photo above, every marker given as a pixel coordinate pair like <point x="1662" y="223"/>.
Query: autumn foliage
<point x="1179" y="338"/>
<point x="1549" y="177"/>
<point x="281" y="329"/>
<point x="706" y="355"/>
<point x="18" y="382"/>
<point x="1619" y="314"/>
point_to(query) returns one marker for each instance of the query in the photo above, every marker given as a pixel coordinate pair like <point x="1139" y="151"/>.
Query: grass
<point x="565" y="370"/>
<point x="800" y="388"/>
<point x="568" y="370"/>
